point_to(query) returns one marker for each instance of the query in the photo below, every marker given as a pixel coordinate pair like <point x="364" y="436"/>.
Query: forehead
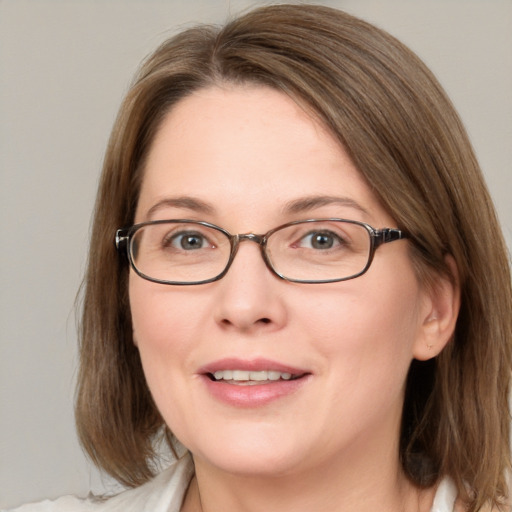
<point x="249" y="150"/>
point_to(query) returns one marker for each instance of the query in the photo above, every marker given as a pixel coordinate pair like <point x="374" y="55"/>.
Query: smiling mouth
<point x="252" y="378"/>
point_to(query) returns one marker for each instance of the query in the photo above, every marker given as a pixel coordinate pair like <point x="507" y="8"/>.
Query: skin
<point x="247" y="152"/>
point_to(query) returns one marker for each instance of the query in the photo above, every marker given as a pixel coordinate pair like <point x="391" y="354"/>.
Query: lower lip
<point x="256" y="395"/>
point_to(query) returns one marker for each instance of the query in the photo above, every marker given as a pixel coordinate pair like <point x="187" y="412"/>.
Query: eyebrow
<point x="185" y="202"/>
<point x="305" y="204"/>
<point x="300" y="205"/>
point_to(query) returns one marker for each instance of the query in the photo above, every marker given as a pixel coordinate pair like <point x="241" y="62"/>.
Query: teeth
<point x="240" y="375"/>
<point x="247" y="376"/>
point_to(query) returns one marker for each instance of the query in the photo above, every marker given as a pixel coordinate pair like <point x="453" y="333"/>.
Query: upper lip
<point x="253" y="365"/>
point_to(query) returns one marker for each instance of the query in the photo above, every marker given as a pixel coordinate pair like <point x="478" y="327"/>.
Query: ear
<point x="439" y="315"/>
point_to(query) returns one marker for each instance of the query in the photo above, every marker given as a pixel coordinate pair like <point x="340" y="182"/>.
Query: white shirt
<point x="166" y="491"/>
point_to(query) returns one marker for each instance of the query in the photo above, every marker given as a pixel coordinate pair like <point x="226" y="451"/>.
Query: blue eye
<point x="187" y="241"/>
<point x="321" y="240"/>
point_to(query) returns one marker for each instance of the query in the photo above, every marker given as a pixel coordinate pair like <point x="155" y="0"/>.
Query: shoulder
<point x="64" y="504"/>
<point x="164" y="493"/>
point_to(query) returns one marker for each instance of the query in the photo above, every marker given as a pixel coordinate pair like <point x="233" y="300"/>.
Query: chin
<point x="252" y="453"/>
<point x="254" y="465"/>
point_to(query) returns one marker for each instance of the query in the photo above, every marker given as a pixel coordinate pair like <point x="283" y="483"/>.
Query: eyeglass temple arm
<point x="121" y="239"/>
<point x="386" y="235"/>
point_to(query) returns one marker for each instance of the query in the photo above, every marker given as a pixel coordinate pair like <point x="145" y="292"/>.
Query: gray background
<point x="64" y="66"/>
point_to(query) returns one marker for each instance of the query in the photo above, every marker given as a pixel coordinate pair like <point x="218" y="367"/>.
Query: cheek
<point x="366" y="330"/>
<point x="164" y="328"/>
<point x="356" y="316"/>
<point x="161" y="327"/>
<point x="160" y="316"/>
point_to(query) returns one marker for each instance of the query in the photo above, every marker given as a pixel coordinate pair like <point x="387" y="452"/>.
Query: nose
<point x="250" y="297"/>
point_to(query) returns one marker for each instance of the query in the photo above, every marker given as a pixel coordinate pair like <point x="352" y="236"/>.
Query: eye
<point x="187" y="241"/>
<point x="321" y="240"/>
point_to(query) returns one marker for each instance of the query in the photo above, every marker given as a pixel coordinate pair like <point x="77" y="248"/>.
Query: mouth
<point x="239" y="377"/>
<point x="249" y="382"/>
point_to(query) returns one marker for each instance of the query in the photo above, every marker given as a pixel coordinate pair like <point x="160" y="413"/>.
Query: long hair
<point x="401" y="131"/>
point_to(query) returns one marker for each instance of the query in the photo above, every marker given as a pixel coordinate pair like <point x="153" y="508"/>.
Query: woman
<point x="360" y="357"/>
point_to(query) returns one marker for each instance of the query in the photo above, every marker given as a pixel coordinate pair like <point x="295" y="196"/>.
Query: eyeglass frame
<point x="378" y="237"/>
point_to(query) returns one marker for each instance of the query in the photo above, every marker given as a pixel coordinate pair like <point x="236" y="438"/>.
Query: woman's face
<point x="249" y="159"/>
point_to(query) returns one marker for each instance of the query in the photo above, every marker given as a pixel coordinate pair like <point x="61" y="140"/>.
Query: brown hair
<point x="406" y="139"/>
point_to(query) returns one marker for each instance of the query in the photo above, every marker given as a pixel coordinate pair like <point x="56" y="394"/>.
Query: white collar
<point x="446" y="494"/>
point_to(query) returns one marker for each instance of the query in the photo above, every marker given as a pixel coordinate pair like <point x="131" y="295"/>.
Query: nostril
<point x="265" y="320"/>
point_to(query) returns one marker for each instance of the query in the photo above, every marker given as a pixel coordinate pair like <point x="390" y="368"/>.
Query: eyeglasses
<point x="187" y="252"/>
